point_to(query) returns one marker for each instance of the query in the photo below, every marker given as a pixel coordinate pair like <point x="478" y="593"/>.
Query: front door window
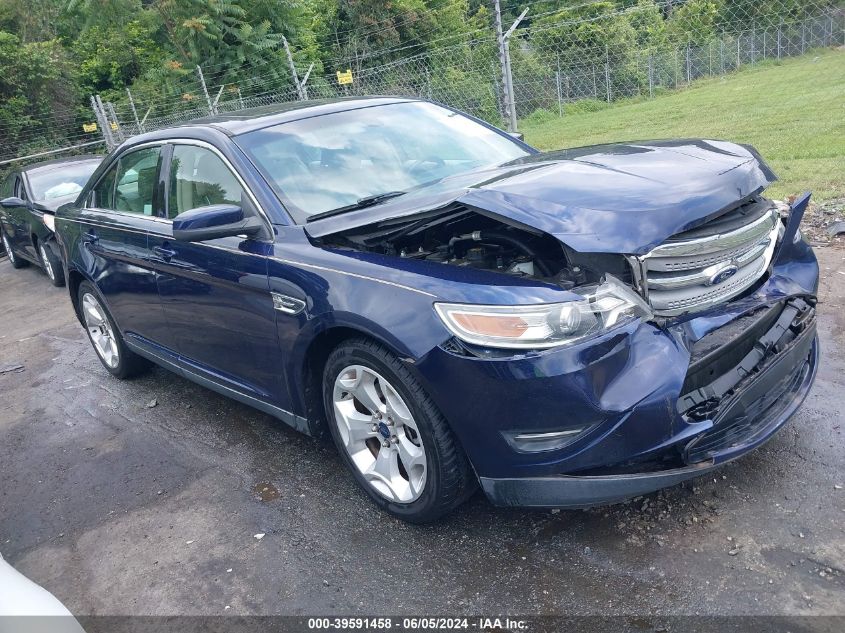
<point x="198" y="178"/>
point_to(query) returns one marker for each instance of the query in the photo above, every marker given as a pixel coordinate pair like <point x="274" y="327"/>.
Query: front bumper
<point x="792" y="370"/>
<point x="653" y="413"/>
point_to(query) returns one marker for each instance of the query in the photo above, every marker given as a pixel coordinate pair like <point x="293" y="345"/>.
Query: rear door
<point x="215" y="293"/>
<point x="18" y="220"/>
<point x="7" y="190"/>
<point x="124" y="206"/>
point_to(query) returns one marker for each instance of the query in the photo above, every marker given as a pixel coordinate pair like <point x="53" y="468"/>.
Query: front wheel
<point x="118" y="359"/>
<point x="52" y="265"/>
<point x="391" y="435"/>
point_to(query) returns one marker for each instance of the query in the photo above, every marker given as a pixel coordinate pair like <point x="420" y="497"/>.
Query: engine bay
<point x="466" y="238"/>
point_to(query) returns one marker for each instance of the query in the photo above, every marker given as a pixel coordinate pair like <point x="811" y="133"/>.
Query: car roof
<point x="49" y="165"/>
<point x="251" y="119"/>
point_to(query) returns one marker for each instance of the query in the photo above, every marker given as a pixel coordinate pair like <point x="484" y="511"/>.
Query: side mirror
<point x="14" y="201"/>
<point x="213" y="221"/>
<point x="519" y="136"/>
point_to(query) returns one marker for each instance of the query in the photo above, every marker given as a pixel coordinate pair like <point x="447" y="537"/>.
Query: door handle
<point x="90" y="238"/>
<point x="165" y="253"/>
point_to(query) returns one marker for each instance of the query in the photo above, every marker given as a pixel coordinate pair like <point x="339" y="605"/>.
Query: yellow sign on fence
<point x="89" y="127"/>
<point x="114" y="126"/>
<point x="344" y="78"/>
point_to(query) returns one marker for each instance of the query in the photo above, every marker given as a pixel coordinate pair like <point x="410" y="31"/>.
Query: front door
<point x="120" y="211"/>
<point x="215" y="293"/>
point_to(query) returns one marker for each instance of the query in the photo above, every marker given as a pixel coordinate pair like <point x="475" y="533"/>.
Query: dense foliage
<point x="54" y="54"/>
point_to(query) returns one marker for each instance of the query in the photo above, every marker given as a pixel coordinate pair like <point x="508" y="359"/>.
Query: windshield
<point x="58" y="181"/>
<point x="336" y="160"/>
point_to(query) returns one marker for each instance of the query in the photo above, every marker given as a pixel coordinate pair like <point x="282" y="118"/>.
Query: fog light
<point x="546" y="441"/>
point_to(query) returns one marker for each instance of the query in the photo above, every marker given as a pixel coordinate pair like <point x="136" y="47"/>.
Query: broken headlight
<point x="603" y="307"/>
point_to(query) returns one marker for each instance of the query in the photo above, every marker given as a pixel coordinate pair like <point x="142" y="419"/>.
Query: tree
<point x="37" y="93"/>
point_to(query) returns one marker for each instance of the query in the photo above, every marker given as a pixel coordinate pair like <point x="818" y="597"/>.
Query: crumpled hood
<point x="620" y="198"/>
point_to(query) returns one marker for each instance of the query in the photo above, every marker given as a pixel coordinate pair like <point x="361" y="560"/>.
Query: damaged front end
<point x="684" y="336"/>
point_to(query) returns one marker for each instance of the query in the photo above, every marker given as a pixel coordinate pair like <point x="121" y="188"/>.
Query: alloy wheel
<point x="8" y="248"/>
<point x="45" y="260"/>
<point x="100" y="330"/>
<point x="379" y="433"/>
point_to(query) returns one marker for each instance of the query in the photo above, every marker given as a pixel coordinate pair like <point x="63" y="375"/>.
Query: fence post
<point x="738" y="42"/>
<point x="101" y="123"/>
<point x="595" y="85"/>
<point x="119" y="130"/>
<point x="100" y="115"/>
<point x="689" y="70"/>
<point x="676" y="68"/>
<point x="765" y="32"/>
<point x="722" y="56"/>
<point x="216" y="99"/>
<point x="205" y="91"/>
<point x="650" y="76"/>
<point x="753" y="44"/>
<point x="638" y="82"/>
<point x="299" y="92"/>
<point x="710" y="59"/>
<point x="134" y="111"/>
<point x="779" y="27"/>
<point x="803" y="37"/>
<point x="843" y="30"/>
<point x="559" y="95"/>
<point x="505" y="61"/>
<point x="304" y="83"/>
<point x="240" y="99"/>
<point x="510" y="106"/>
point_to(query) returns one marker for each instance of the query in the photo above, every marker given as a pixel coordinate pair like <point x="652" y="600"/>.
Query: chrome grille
<point x="689" y="275"/>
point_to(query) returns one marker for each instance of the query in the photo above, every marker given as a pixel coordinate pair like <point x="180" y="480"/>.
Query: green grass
<point x="793" y="112"/>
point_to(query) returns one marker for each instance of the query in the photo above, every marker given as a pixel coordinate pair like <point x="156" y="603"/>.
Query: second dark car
<point x="29" y="198"/>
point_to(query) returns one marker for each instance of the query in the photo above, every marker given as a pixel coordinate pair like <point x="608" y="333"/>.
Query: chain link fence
<point x="592" y="51"/>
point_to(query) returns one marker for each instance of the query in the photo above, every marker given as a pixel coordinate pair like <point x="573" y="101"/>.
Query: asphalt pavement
<point x="150" y="496"/>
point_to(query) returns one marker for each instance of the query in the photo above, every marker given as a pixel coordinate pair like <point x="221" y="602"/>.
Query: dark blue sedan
<point x="452" y="306"/>
<point x="29" y="198"/>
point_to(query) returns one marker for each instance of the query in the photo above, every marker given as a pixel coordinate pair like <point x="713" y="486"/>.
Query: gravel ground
<point x="148" y="496"/>
<point x="820" y="217"/>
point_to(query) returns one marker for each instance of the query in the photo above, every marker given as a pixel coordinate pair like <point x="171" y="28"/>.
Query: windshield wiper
<point x="363" y="203"/>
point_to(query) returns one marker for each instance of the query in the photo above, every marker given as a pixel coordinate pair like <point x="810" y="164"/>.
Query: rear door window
<point x="130" y="185"/>
<point x="103" y="194"/>
<point x="137" y="172"/>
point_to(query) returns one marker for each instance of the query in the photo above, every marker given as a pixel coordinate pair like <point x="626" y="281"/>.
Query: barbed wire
<point x="559" y="56"/>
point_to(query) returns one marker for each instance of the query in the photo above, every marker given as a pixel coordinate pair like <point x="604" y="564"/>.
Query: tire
<point x="14" y="260"/>
<point x="51" y="265"/>
<point x="360" y="376"/>
<point x="105" y="337"/>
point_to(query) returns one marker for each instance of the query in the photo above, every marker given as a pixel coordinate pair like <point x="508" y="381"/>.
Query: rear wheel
<point x="14" y="260"/>
<point x="118" y="359"/>
<point x="390" y="434"/>
<point x="52" y="265"/>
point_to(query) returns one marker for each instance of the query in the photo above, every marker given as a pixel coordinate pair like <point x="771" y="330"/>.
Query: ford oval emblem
<point x="722" y="275"/>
